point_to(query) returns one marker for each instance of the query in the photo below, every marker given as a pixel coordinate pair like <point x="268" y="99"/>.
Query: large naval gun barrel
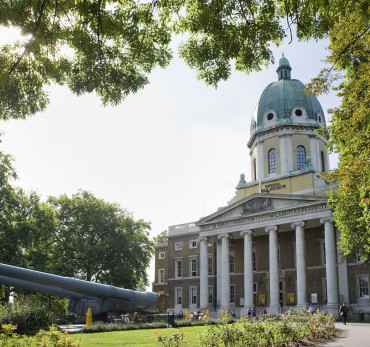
<point x="82" y="294"/>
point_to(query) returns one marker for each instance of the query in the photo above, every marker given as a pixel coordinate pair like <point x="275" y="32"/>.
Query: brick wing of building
<point x="274" y="245"/>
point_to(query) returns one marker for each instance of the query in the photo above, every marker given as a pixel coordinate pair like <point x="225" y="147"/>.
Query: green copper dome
<point x="284" y="102"/>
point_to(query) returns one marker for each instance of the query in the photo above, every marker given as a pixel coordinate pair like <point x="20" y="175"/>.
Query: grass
<point x="145" y="337"/>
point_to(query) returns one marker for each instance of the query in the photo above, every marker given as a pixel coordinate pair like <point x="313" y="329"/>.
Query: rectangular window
<point x="254" y="263"/>
<point x="210" y="266"/>
<point x="178" y="268"/>
<point x="232" y="263"/>
<point x="363" y="287"/>
<point x="161" y="276"/>
<point x="232" y="294"/>
<point x="193" y="244"/>
<point x="193" y="267"/>
<point x="162" y="255"/>
<point x="178" y="296"/>
<point x="178" y="246"/>
<point x="210" y="294"/>
<point x="193" y="295"/>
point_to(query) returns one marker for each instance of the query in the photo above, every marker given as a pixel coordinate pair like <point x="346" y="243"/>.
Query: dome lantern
<point x="284" y="69"/>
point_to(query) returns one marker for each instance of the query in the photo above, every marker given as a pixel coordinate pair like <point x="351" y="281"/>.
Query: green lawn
<point x="145" y="337"/>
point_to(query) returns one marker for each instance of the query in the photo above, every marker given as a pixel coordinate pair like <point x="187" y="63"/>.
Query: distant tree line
<point x="80" y="236"/>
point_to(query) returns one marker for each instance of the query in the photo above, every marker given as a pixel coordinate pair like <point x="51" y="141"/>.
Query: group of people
<point x="196" y="315"/>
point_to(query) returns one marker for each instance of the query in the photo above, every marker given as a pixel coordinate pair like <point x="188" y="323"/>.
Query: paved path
<point x="354" y="335"/>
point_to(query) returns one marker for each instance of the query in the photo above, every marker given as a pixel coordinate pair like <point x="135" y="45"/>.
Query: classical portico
<point x="272" y="215"/>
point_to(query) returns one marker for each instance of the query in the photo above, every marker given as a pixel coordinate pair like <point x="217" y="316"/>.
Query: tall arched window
<point x="301" y="157"/>
<point x="322" y="162"/>
<point x="254" y="169"/>
<point x="272" y="160"/>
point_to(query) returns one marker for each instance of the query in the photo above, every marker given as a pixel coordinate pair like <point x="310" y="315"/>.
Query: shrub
<point x="102" y="327"/>
<point x="54" y="337"/>
<point x="27" y="318"/>
<point x="175" y="339"/>
<point x="282" y="329"/>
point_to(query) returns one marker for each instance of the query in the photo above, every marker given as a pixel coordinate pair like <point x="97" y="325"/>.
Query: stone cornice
<point x="311" y="199"/>
<point x="283" y="129"/>
<point x="269" y="216"/>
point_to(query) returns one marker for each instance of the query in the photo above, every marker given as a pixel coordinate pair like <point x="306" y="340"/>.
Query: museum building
<point x="275" y="244"/>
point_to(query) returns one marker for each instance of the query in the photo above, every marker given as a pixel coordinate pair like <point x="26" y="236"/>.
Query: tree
<point x="98" y="241"/>
<point x="110" y="46"/>
<point x="26" y="224"/>
<point x="106" y="46"/>
<point x="349" y="132"/>
<point x="161" y="237"/>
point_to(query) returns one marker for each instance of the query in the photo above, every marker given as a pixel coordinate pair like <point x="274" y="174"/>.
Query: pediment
<point x="261" y="203"/>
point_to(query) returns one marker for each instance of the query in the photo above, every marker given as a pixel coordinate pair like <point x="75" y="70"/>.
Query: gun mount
<point x="82" y="294"/>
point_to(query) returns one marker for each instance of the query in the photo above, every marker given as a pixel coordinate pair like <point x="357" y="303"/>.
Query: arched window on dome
<point x="254" y="169"/>
<point x="322" y="162"/>
<point x="301" y="157"/>
<point x="272" y="160"/>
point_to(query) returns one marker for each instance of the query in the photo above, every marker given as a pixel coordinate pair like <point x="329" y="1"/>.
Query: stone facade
<point x="274" y="245"/>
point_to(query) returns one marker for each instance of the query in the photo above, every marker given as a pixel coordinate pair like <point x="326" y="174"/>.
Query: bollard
<point x="88" y="317"/>
<point x="171" y="317"/>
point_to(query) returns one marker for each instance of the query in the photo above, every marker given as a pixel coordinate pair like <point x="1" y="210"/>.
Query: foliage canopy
<point x="109" y="47"/>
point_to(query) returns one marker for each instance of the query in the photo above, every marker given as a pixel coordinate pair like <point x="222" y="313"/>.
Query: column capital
<point x="298" y="224"/>
<point x="272" y="228"/>
<point x="223" y="236"/>
<point x="246" y="232"/>
<point x="202" y="238"/>
<point x="326" y="219"/>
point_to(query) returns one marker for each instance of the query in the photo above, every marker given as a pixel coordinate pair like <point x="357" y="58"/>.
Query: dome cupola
<point x="283" y="140"/>
<point x="284" y="102"/>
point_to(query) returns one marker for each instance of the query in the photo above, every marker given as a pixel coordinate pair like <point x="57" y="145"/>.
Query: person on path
<point x="343" y="310"/>
<point x="311" y="309"/>
<point x="254" y="312"/>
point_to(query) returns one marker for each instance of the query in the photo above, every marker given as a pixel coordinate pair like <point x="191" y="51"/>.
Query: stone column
<point x="300" y="264"/>
<point x="331" y="262"/>
<point x="342" y="274"/>
<point x="286" y="153"/>
<point x="218" y="269"/>
<point x="203" y="273"/>
<point x="248" y="270"/>
<point x="289" y="144"/>
<point x="274" y="269"/>
<point x="225" y="271"/>
<point x="260" y="160"/>
<point x="283" y="154"/>
<point x="314" y="151"/>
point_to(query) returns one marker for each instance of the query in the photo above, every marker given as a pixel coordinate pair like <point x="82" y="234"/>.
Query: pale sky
<point x="169" y="154"/>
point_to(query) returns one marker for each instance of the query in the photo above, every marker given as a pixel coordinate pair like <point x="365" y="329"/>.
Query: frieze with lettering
<point x="273" y="186"/>
<point x="266" y="216"/>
